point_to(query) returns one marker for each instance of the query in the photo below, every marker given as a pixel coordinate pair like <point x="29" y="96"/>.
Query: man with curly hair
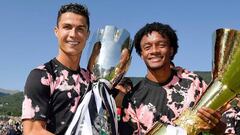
<point x="165" y="92"/>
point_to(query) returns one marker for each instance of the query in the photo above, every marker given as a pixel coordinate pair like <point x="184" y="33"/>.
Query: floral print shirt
<point x="150" y="102"/>
<point x="54" y="97"/>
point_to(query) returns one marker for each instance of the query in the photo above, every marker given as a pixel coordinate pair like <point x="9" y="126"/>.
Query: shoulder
<point x="37" y="77"/>
<point x="136" y="88"/>
<point x="140" y="85"/>
<point x="190" y="76"/>
<point x="185" y="73"/>
<point x="87" y="75"/>
<point x="37" y="83"/>
<point x="38" y="72"/>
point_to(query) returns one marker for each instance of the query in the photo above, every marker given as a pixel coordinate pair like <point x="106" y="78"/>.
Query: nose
<point x="154" y="49"/>
<point x="72" y="33"/>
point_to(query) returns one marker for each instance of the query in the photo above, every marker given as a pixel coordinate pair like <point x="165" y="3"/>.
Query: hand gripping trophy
<point x="223" y="87"/>
<point x="109" y="61"/>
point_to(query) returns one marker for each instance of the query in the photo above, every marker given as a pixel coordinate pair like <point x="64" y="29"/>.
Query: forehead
<point x="70" y="17"/>
<point x="154" y="36"/>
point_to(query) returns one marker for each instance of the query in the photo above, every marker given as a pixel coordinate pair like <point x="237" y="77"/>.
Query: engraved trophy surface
<point x="111" y="54"/>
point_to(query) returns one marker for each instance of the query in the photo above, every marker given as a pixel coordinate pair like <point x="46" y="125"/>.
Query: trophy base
<point x="189" y="118"/>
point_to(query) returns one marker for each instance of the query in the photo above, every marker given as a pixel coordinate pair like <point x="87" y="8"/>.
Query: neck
<point x="159" y="75"/>
<point x="72" y="62"/>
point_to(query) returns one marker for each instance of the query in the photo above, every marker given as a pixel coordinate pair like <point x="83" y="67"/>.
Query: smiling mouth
<point x="155" y="59"/>
<point x="73" y="42"/>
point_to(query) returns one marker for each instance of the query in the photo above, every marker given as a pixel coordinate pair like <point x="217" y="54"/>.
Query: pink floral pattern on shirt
<point x="181" y="92"/>
<point x="54" y="98"/>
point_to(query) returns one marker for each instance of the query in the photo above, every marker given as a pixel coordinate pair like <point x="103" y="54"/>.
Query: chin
<point x="155" y="67"/>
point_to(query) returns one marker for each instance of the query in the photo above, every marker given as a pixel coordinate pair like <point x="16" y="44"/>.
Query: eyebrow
<point x="157" y="42"/>
<point x="82" y="26"/>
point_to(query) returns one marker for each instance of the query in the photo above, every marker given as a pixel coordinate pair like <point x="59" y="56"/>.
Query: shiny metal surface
<point x="226" y="62"/>
<point x="111" y="53"/>
<point x="157" y="129"/>
<point x="226" y="46"/>
<point x="225" y="84"/>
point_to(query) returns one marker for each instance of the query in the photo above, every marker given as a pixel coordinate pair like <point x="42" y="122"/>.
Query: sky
<point x="27" y="31"/>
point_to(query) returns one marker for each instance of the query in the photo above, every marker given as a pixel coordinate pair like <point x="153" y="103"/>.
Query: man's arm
<point x="35" y="127"/>
<point x="36" y="99"/>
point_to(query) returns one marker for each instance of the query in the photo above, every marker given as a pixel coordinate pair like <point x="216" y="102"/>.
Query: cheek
<point x="62" y="36"/>
<point x="144" y="54"/>
<point x="144" y="58"/>
<point x="166" y="52"/>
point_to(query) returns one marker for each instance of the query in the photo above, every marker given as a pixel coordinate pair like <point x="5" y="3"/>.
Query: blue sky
<point x="27" y="38"/>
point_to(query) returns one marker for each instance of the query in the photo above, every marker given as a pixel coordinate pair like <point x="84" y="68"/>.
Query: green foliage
<point x="3" y="94"/>
<point x="11" y="104"/>
<point x="206" y="75"/>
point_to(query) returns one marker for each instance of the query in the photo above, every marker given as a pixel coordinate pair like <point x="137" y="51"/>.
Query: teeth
<point x="155" y="59"/>
<point x="73" y="42"/>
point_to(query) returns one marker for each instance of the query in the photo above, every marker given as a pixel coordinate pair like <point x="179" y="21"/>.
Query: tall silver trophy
<point x="109" y="60"/>
<point x="110" y="57"/>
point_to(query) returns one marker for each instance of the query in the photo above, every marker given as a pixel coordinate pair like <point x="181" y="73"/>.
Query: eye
<point x="162" y="44"/>
<point x="67" y="27"/>
<point x="81" y="29"/>
<point x="146" y="47"/>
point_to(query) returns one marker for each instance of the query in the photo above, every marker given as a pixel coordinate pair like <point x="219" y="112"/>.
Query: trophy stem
<point x="216" y="95"/>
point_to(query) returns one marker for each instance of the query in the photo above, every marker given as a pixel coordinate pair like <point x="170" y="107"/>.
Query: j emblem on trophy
<point x="109" y="60"/>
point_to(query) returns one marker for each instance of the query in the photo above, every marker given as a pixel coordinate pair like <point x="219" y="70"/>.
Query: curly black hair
<point x="163" y="29"/>
<point x="74" y="8"/>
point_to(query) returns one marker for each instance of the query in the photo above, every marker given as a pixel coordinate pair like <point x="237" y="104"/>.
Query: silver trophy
<point x="109" y="61"/>
<point x="111" y="54"/>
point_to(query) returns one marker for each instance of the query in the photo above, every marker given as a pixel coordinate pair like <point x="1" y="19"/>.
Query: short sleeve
<point x="36" y="95"/>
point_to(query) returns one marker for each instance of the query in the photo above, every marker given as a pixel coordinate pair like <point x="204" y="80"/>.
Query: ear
<point x="88" y="33"/>
<point x="56" y="31"/>
<point x="171" y="51"/>
<point x="141" y="55"/>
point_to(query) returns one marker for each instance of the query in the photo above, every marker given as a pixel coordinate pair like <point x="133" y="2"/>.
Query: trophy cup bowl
<point x="111" y="54"/>
<point x="223" y="87"/>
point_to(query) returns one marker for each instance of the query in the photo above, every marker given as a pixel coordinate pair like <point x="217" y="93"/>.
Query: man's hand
<point x="209" y="116"/>
<point x="215" y="125"/>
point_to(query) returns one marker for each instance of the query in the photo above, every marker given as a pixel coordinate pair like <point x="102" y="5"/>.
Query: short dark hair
<point x="74" y="8"/>
<point x="163" y="29"/>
